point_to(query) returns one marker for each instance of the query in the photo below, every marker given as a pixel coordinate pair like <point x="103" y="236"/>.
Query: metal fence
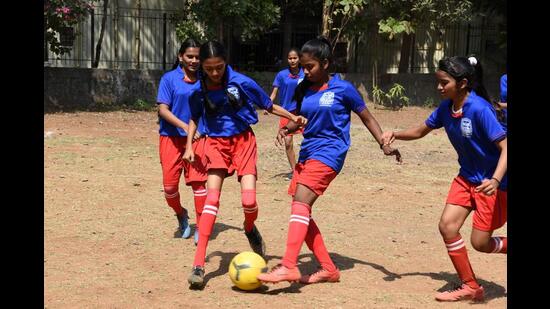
<point x="133" y="39"/>
<point x="146" y="39"/>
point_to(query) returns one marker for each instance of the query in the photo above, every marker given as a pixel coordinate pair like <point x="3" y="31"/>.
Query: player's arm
<point x="407" y="134"/>
<point x="374" y="128"/>
<point x="489" y="186"/>
<point x="189" y="155"/>
<point x="503" y="104"/>
<point x="279" y="111"/>
<point x="274" y="93"/>
<point x="167" y="115"/>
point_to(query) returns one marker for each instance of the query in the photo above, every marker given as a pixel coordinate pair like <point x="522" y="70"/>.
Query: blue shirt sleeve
<point x="165" y="92"/>
<point x="353" y="99"/>
<point x="277" y="82"/>
<point x="504" y="88"/>
<point x="195" y="104"/>
<point x="256" y="94"/>
<point x="488" y="122"/>
<point x="434" y="121"/>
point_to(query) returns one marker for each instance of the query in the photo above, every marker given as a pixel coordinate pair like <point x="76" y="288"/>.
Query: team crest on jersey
<point x="466" y="127"/>
<point x="327" y="99"/>
<point x="234" y="91"/>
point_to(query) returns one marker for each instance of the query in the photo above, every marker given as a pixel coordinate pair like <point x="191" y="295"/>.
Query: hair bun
<point x="472" y="60"/>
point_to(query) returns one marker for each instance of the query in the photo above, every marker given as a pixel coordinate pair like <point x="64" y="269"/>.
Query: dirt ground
<point x="111" y="240"/>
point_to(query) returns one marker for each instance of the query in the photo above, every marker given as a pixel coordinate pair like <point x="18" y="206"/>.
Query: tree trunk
<point x="287" y="37"/>
<point x="326" y="19"/>
<point x="405" y="53"/>
<point x="100" y="40"/>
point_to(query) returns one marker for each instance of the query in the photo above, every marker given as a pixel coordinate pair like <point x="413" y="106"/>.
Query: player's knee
<point x="170" y="189"/>
<point x="480" y="244"/>
<point x="448" y="228"/>
<point x="248" y="198"/>
<point x="212" y="198"/>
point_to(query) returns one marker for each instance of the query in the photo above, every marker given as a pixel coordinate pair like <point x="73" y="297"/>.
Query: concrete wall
<point x="68" y="89"/>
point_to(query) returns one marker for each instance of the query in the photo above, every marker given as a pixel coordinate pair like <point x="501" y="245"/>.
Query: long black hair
<point x="470" y="69"/>
<point x="321" y="49"/>
<point x="185" y="45"/>
<point x="208" y="50"/>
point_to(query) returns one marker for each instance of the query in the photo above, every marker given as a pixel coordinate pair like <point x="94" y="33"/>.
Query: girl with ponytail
<point x="223" y="101"/>
<point x="327" y="102"/>
<point x="173" y="103"/>
<point x="473" y="128"/>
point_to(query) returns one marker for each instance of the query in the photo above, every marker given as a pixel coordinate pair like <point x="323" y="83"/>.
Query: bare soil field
<point x="112" y="242"/>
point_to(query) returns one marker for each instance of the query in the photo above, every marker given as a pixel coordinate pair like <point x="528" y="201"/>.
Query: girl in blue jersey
<point x="471" y="124"/>
<point x="285" y="82"/>
<point x="327" y="102"/>
<point x="172" y="99"/>
<point x="224" y="102"/>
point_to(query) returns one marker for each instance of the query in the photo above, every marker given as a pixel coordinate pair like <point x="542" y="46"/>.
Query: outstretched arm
<point x="407" y="134"/>
<point x="374" y="128"/>
<point x="279" y="111"/>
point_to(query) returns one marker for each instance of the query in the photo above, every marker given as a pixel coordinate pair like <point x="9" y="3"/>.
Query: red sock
<point x="297" y="230"/>
<point x="499" y="244"/>
<point x="459" y="256"/>
<point x="172" y="196"/>
<point x="315" y="243"/>
<point x="206" y="224"/>
<point x="199" y="194"/>
<point x="250" y="208"/>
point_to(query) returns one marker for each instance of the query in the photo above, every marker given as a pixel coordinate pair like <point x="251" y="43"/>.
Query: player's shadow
<point x="309" y="264"/>
<point x="218" y="228"/>
<point x="492" y="289"/>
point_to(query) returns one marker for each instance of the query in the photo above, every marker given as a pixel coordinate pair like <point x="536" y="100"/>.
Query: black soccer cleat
<point x="196" y="278"/>
<point x="256" y="241"/>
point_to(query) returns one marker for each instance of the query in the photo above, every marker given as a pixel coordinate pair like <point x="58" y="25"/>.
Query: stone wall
<point x="69" y="89"/>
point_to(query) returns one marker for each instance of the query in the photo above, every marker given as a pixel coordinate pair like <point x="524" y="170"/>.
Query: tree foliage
<point x="60" y="15"/>
<point x="208" y="19"/>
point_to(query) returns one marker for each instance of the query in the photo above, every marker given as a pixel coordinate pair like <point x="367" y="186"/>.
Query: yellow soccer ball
<point x="244" y="268"/>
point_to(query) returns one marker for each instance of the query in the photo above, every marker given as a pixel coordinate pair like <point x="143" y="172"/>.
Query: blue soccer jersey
<point x="228" y="121"/>
<point x="504" y="88"/>
<point x="326" y="135"/>
<point x="473" y="136"/>
<point x="175" y="92"/>
<point x="287" y="82"/>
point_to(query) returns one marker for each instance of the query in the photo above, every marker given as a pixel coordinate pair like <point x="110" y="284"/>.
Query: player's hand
<point x="388" y="137"/>
<point x="280" y="140"/>
<point x="197" y="136"/>
<point x="300" y="120"/>
<point x="488" y="186"/>
<point x="389" y="151"/>
<point x="188" y="155"/>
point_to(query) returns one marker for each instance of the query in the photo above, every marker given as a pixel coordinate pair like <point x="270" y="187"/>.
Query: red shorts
<point x="171" y="148"/>
<point x="234" y="153"/>
<point x="283" y="122"/>
<point x="490" y="210"/>
<point x="313" y="174"/>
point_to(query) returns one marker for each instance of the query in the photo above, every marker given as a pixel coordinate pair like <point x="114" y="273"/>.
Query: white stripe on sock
<point x="171" y="195"/>
<point x="299" y="221"/>
<point x="456" y="247"/>
<point x="209" y="212"/>
<point x="300" y="217"/>
<point x="455" y="243"/>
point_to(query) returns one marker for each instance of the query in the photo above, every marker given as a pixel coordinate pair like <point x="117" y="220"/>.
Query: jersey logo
<point x="234" y="91"/>
<point x="327" y="99"/>
<point x="466" y="127"/>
